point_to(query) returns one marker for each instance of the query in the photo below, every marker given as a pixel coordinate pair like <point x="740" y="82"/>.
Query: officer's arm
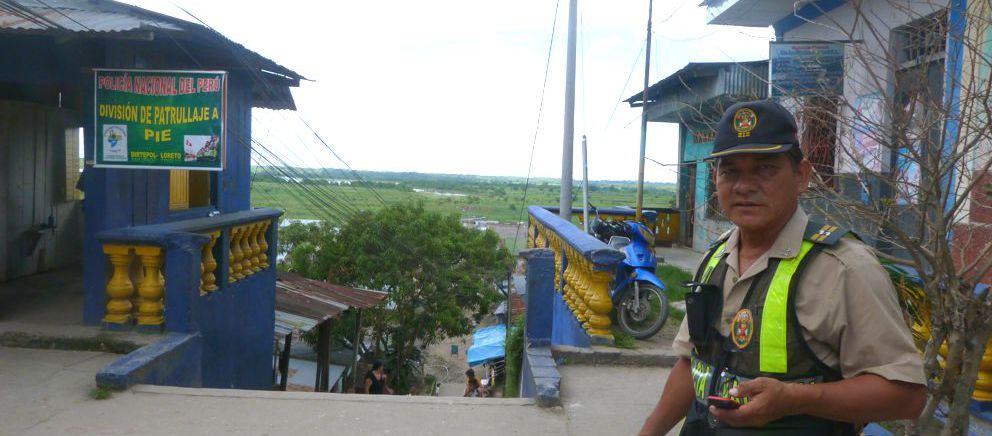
<point x="674" y="403"/>
<point x="860" y="399"/>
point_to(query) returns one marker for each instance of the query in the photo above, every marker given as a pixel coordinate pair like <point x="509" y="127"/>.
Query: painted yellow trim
<point x="746" y="150"/>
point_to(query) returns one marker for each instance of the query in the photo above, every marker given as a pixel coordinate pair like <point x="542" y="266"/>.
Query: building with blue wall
<point x="162" y="251"/>
<point x="694" y="98"/>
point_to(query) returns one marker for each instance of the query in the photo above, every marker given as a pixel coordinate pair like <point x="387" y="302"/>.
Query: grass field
<point x="498" y="199"/>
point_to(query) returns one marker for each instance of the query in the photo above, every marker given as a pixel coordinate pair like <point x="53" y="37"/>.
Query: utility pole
<point x="565" y="204"/>
<point x="585" y="187"/>
<point x="644" y="119"/>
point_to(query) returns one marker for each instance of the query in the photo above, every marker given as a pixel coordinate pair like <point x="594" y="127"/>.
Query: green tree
<point x="440" y="276"/>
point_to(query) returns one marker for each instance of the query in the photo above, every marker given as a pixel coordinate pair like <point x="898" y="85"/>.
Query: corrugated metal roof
<point x="353" y="297"/>
<point x="104" y="18"/>
<point x="76" y="16"/>
<point x="302" y="303"/>
<point x="691" y="70"/>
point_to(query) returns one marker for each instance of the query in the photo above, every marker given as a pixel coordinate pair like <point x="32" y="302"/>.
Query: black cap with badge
<point x="761" y="126"/>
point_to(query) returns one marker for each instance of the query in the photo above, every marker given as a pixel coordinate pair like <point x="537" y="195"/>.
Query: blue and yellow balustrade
<point x="236" y="244"/>
<point x="584" y="268"/>
<point x="664" y="222"/>
<point x="918" y="309"/>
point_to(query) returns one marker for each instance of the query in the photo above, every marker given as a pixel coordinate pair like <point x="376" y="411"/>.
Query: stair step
<point x="327" y="396"/>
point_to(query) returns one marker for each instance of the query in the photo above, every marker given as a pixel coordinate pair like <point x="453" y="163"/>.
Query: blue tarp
<point x="488" y="345"/>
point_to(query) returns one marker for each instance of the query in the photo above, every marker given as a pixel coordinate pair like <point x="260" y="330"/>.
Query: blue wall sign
<point x="806" y="68"/>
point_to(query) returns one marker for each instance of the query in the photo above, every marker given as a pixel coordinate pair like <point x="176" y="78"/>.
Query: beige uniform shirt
<point x="846" y="305"/>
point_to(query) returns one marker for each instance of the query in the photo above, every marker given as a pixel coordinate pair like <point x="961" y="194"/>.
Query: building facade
<point x="694" y="97"/>
<point x="173" y="252"/>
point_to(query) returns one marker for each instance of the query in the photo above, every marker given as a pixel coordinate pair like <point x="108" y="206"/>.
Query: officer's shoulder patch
<point x="826" y="234"/>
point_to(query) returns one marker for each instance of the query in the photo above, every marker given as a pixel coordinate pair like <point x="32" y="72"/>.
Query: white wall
<point x="868" y="75"/>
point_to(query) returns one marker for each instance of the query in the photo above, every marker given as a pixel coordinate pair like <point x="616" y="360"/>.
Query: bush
<point x="514" y="358"/>
<point x="673" y="277"/>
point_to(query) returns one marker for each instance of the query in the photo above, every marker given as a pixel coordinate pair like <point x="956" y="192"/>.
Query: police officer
<point x="791" y="328"/>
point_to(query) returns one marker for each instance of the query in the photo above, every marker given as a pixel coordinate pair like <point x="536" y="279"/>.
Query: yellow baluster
<point x="263" y="244"/>
<point x="119" y="288"/>
<point x="582" y="289"/>
<point x="236" y="256"/>
<point x="246" y="252"/>
<point x="531" y="228"/>
<point x="601" y="305"/>
<point x="568" y="293"/>
<point x="574" y="284"/>
<point x="587" y="290"/>
<point x="256" y="261"/>
<point x="150" y="290"/>
<point x="553" y="244"/>
<point x="568" y="277"/>
<point x="983" y="386"/>
<point x="208" y="281"/>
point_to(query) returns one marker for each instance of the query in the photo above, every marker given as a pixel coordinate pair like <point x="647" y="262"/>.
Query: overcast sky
<point x="454" y="86"/>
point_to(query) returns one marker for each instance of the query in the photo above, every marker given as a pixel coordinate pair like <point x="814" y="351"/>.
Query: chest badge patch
<point x="742" y="328"/>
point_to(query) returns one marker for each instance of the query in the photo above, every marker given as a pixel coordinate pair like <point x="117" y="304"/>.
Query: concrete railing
<point x="243" y="251"/>
<point x="584" y="267"/>
<point x="213" y="281"/>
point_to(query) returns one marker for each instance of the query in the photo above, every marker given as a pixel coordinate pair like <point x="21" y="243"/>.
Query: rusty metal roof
<point x="80" y="16"/>
<point x="106" y="18"/>
<point x="302" y="303"/>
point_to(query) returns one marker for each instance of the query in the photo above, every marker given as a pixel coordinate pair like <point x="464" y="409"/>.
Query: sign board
<point x="806" y="68"/>
<point x="156" y="119"/>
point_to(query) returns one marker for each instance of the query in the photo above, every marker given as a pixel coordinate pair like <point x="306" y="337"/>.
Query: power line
<point x="537" y="126"/>
<point x="625" y="83"/>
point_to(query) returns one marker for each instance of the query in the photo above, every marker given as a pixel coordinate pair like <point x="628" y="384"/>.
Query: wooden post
<point x="356" y="345"/>
<point x="323" y="356"/>
<point x="284" y="362"/>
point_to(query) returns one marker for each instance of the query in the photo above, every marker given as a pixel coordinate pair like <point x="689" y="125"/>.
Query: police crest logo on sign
<point x="115" y="142"/>
<point x="745" y="121"/>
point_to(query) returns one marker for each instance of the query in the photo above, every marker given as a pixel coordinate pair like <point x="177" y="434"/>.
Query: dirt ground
<point x="448" y="367"/>
<point x="507" y="231"/>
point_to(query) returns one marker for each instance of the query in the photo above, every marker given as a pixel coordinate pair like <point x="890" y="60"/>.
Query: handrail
<point x="240" y="241"/>
<point x="584" y="269"/>
<point x="648" y="215"/>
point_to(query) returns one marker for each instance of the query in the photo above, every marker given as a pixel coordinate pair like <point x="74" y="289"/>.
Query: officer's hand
<point x="770" y="400"/>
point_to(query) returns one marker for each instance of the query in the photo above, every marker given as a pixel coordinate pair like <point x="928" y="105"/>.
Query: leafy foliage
<point x="441" y="277"/>
<point x="514" y="358"/>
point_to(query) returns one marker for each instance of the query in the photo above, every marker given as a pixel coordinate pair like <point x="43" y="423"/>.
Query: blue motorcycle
<point x="638" y="294"/>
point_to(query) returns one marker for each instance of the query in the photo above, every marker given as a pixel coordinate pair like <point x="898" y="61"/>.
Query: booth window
<point x="73" y="163"/>
<point x="189" y="189"/>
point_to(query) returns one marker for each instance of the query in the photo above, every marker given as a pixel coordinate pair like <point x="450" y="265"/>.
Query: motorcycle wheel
<point x="648" y="317"/>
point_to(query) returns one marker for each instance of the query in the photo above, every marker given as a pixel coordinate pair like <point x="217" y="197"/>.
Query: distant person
<point x="375" y="380"/>
<point x="472" y="385"/>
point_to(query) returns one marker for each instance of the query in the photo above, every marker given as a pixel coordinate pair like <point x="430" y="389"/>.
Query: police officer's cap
<point x="761" y="126"/>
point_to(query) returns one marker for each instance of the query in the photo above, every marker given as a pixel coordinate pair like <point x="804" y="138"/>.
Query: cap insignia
<point x="744" y="122"/>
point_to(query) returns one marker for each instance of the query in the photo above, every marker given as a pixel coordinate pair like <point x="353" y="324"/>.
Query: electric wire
<point x="300" y="117"/>
<point x="537" y="125"/>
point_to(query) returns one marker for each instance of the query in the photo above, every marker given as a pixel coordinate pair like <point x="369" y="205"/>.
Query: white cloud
<point x="454" y="86"/>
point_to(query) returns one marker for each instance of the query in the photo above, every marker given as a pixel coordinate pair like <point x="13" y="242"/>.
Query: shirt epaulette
<point x="826" y="234"/>
<point x="723" y="238"/>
